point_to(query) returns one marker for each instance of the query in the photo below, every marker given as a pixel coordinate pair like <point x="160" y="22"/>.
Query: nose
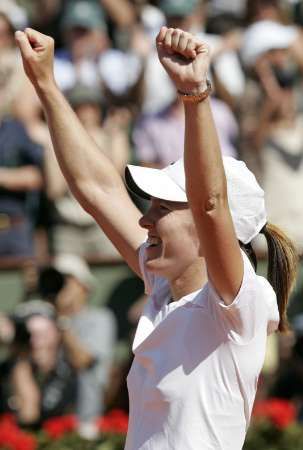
<point x="146" y="221"/>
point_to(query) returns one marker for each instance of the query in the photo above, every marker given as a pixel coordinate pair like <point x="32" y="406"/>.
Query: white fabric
<point x="263" y="36"/>
<point x="245" y="196"/>
<point x="194" y="376"/>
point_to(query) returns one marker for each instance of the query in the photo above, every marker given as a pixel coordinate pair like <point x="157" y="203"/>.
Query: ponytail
<point x="282" y="268"/>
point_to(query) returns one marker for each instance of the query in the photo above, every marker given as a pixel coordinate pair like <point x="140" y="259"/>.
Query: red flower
<point x="12" y="437"/>
<point x="58" y="426"/>
<point x="116" y="421"/>
<point x="280" y="412"/>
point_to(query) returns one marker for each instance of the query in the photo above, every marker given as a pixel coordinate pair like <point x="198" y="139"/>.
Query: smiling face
<point x="172" y="238"/>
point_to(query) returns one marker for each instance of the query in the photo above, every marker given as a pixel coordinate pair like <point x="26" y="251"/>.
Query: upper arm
<point x="118" y="217"/>
<point x="221" y="249"/>
<point x="206" y="188"/>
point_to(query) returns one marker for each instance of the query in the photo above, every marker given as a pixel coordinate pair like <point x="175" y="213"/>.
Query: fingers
<point x="174" y="40"/>
<point x="30" y="40"/>
<point x="38" y="39"/>
<point x="161" y="35"/>
<point x="24" y="44"/>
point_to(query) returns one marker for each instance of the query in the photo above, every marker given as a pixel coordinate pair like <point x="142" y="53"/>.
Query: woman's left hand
<point x="185" y="58"/>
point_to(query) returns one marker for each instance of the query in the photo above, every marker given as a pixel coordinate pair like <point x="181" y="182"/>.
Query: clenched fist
<point x="37" y="51"/>
<point x="185" y="58"/>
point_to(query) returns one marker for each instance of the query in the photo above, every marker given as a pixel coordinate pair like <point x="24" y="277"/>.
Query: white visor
<point x="245" y="196"/>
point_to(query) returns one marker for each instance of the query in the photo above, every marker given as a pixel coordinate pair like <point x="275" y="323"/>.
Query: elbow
<point x="214" y="202"/>
<point x="209" y="205"/>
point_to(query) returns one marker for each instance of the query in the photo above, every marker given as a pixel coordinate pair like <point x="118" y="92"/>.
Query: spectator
<point x="41" y="380"/>
<point x="18" y="148"/>
<point x="43" y="383"/>
<point x="272" y="121"/>
<point x="85" y="36"/>
<point x="20" y="179"/>
<point x="88" y="336"/>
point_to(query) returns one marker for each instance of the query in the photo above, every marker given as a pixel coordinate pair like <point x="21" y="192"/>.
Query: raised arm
<point x="91" y="176"/>
<point x="186" y="59"/>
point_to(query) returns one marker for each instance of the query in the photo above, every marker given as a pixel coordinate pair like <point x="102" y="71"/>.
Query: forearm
<point x="77" y="355"/>
<point x="21" y="179"/>
<point x="26" y="392"/>
<point x="205" y="177"/>
<point x="120" y="150"/>
<point x="80" y="160"/>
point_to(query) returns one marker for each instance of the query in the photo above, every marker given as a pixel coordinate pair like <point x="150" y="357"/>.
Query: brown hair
<point x="282" y="268"/>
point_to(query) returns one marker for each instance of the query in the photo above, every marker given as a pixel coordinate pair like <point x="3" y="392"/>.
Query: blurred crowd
<point x="59" y="350"/>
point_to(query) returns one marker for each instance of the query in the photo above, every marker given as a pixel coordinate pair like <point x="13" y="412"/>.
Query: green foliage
<point x="71" y="441"/>
<point x="264" y="435"/>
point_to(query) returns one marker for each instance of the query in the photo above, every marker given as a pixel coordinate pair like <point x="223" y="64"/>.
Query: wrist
<point x="46" y="87"/>
<point x="193" y="89"/>
<point x="196" y="96"/>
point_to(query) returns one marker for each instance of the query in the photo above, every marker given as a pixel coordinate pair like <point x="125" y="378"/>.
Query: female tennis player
<point x="200" y="343"/>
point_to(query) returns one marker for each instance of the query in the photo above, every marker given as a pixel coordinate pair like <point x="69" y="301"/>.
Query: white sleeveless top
<point x="194" y="376"/>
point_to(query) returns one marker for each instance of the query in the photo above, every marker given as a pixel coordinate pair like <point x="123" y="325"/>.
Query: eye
<point x="164" y="207"/>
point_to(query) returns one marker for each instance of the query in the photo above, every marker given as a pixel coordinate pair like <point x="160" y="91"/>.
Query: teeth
<point x="153" y="240"/>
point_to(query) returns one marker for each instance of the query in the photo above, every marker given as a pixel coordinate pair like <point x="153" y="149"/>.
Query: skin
<point x="26" y="392"/>
<point x="175" y="248"/>
<point x="98" y="187"/>
<point x="186" y="60"/>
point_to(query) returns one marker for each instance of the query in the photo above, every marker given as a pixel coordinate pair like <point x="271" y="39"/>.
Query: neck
<point x="193" y="278"/>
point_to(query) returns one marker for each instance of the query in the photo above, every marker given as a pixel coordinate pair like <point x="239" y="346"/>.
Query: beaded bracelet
<point x="196" y="98"/>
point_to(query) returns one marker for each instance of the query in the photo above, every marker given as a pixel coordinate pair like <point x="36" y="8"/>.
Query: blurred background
<point x="69" y="305"/>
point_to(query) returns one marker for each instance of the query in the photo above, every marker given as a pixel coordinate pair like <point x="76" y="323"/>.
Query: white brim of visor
<point x="148" y="182"/>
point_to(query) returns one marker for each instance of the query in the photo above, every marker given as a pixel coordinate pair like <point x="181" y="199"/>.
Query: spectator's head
<point x="84" y="29"/>
<point x="79" y="282"/>
<point x="87" y="102"/>
<point x="44" y="334"/>
<point x="179" y="13"/>
<point x="35" y="326"/>
<point x="265" y="52"/>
